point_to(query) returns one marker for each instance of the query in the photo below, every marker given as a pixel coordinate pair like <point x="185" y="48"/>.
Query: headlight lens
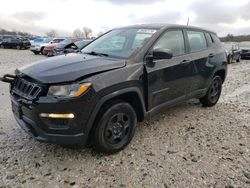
<point x="73" y="90"/>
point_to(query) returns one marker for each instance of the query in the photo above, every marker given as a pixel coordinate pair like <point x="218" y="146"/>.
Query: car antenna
<point x="188" y="21"/>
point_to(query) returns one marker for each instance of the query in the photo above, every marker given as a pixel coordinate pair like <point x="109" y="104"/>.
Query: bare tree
<point x="77" y="33"/>
<point x="87" y="31"/>
<point x="51" y="33"/>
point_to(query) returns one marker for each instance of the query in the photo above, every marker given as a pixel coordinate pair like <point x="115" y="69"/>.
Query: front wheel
<point x="115" y="129"/>
<point x="238" y="60"/>
<point x="36" y="53"/>
<point x="213" y="93"/>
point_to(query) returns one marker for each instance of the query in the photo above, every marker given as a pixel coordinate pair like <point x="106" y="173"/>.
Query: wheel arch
<point x="131" y="95"/>
<point x="221" y="73"/>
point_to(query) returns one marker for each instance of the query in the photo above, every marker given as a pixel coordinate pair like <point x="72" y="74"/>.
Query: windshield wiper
<point x="96" y="53"/>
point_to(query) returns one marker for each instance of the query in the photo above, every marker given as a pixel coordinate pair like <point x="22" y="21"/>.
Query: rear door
<point x="201" y="55"/>
<point x="168" y="78"/>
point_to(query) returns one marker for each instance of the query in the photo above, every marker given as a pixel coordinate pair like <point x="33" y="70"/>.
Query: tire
<point x="230" y="59"/>
<point x="18" y="47"/>
<point x="115" y="129"/>
<point x="2" y="46"/>
<point x="213" y="93"/>
<point x="238" y="60"/>
<point x="41" y="51"/>
<point x="36" y="53"/>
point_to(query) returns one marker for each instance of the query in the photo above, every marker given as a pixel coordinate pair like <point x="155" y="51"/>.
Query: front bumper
<point x="59" y="131"/>
<point x="35" y="49"/>
<point x="245" y="55"/>
<point x="33" y="130"/>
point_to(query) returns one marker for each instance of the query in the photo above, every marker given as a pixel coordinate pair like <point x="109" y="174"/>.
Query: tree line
<point x="232" y="38"/>
<point x="85" y="32"/>
<point x="21" y="33"/>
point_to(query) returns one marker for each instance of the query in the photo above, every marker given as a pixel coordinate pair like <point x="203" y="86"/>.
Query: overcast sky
<point x="38" y="17"/>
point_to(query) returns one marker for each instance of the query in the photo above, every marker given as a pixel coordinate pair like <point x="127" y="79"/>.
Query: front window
<point x="172" y="40"/>
<point x="120" y="43"/>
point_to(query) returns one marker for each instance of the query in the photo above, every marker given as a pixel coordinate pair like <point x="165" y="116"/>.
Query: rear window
<point x="57" y="40"/>
<point x="197" y="40"/>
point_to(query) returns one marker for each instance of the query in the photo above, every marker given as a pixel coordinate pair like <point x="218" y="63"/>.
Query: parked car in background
<point x="127" y="75"/>
<point x="49" y="48"/>
<point x="14" y="42"/>
<point x="71" y="47"/>
<point x="245" y="49"/>
<point x="233" y="52"/>
<point x="40" y="43"/>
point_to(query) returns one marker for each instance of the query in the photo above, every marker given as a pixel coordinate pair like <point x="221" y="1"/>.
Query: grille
<point x="26" y="89"/>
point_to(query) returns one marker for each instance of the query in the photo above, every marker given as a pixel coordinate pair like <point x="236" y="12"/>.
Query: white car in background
<point x="39" y="44"/>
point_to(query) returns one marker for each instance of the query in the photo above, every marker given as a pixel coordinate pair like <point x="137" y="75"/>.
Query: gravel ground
<point x="187" y="146"/>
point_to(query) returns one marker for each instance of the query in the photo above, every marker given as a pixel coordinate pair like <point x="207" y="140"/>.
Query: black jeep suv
<point x="122" y="77"/>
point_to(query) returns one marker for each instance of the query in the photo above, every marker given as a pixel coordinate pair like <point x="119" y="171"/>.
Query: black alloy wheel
<point x="115" y="129"/>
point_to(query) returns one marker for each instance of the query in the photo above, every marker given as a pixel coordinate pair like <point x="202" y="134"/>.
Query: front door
<point x="168" y="78"/>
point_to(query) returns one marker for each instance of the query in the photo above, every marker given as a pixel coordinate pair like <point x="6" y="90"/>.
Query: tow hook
<point x="8" y="78"/>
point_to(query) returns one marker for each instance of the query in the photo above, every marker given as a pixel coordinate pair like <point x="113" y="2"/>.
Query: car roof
<point x="159" y="26"/>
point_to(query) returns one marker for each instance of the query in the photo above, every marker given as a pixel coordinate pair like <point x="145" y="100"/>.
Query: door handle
<point x="211" y="55"/>
<point x="185" y="62"/>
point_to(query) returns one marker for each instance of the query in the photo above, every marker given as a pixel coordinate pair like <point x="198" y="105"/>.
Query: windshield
<point x="120" y="43"/>
<point x="80" y="44"/>
<point x="39" y="40"/>
<point x="244" y="44"/>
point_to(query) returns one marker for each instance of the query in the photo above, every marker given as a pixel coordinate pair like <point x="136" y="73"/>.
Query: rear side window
<point x="209" y="39"/>
<point x="215" y="38"/>
<point x="172" y="40"/>
<point x="196" y="40"/>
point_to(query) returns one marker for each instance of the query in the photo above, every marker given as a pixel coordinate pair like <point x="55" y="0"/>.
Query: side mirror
<point x="160" y="53"/>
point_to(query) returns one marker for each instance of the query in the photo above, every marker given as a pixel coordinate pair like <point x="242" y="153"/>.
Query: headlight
<point x="73" y="90"/>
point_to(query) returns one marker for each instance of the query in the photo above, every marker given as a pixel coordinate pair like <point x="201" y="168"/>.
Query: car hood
<point x="70" y="67"/>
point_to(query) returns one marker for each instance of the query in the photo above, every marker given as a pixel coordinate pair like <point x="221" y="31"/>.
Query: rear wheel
<point x="18" y="47"/>
<point x="115" y="129"/>
<point x="213" y="93"/>
<point x="2" y="46"/>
